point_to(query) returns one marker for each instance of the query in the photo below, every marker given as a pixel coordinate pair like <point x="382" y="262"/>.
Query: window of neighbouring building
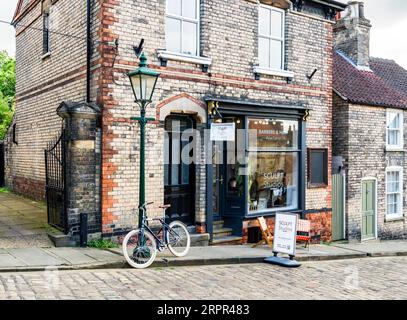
<point x="182" y="26"/>
<point x="317" y="168"/>
<point x="394" y="192"/>
<point x="394" y="130"/>
<point x="273" y="153"/>
<point x="271" y="38"/>
<point x="46" y="34"/>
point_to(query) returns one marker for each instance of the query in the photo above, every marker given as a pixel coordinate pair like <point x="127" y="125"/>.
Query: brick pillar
<point x="82" y="165"/>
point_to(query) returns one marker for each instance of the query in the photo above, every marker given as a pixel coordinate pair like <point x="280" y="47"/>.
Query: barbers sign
<point x="223" y="132"/>
<point x="285" y="233"/>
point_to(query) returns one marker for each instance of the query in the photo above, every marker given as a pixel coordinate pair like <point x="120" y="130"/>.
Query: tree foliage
<point x="7" y="91"/>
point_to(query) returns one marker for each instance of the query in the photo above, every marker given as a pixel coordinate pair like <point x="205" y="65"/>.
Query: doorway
<point x="369" y="208"/>
<point x="179" y="168"/>
<point x="338" y="207"/>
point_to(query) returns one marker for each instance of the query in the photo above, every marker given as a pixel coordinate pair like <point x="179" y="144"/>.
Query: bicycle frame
<point x="164" y="227"/>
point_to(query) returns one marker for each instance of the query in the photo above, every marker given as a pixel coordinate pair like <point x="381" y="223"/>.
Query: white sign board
<point x="285" y="233"/>
<point x="223" y="131"/>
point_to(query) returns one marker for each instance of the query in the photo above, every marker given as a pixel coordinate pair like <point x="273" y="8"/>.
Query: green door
<point x="368" y="209"/>
<point x="338" y="207"/>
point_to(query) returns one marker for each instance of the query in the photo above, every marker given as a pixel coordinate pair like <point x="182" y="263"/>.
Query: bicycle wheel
<point x="139" y="249"/>
<point x="179" y="240"/>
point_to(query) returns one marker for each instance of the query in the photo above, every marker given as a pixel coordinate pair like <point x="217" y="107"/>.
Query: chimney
<point x="352" y="34"/>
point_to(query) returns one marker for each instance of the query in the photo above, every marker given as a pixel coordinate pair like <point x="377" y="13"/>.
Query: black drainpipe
<point x="89" y="49"/>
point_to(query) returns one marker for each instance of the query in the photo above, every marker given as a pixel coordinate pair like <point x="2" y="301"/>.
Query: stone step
<point x="199" y="239"/>
<point x="230" y="240"/>
<point x="218" y="224"/>
<point x="222" y="232"/>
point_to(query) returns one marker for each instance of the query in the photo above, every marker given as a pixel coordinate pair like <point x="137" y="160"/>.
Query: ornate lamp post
<point x="143" y="81"/>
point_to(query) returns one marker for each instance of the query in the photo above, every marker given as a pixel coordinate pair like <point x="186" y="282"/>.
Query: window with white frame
<point x="271" y="37"/>
<point x="394" y="129"/>
<point x="182" y="27"/>
<point x="394" y="192"/>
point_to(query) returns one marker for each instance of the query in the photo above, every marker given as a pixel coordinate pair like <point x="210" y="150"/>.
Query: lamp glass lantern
<point x="143" y="81"/>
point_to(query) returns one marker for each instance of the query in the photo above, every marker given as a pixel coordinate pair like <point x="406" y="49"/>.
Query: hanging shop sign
<point x="223" y="131"/>
<point x="285" y="232"/>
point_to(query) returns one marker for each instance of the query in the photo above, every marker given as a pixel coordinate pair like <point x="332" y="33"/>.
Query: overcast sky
<point x="388" y="36"/>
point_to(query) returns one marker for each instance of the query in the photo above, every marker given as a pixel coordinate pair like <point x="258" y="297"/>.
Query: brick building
<point x="370" y="100"/>
<point x="262" y="65"/>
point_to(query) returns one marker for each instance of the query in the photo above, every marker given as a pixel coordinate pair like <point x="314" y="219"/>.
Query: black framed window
<point x="46" y="34"/>
<point x="15" y="134"/>
<point x="317" y="168"/>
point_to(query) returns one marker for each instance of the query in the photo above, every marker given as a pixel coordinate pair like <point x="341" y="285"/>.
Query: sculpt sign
<point x="285" y="232"/>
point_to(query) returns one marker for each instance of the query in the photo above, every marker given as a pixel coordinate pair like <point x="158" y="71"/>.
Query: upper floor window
<point x="394" y="130"/>
<point x="46" y="34"/>
<point x="271" y="38"/>
<point x="182" y="26"/>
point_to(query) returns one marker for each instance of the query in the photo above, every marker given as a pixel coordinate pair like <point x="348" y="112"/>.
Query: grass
<point x="5" y="190"/>
<point x="102" y="244"/>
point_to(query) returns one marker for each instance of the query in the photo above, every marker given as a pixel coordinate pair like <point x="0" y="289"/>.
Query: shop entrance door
<point x="217" y="157"/>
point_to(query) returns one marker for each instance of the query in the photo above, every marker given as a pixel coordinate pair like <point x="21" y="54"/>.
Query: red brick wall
<point x="321" y="226"/>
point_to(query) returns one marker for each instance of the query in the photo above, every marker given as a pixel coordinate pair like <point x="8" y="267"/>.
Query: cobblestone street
<point x="378" y="278"/>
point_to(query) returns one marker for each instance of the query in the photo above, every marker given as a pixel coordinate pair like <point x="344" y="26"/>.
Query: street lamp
<point x="143" y="81"/>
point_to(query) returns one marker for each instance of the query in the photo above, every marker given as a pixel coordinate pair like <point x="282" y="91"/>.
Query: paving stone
<point x="73" y="256"/>
<point x="36" y="257"/>
<point x="7" y="260"/>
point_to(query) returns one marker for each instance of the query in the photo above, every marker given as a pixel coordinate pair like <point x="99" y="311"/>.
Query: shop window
<point x="182" y="26"/>
<point x="317" y="168"/>
<point x="273" y="165"/>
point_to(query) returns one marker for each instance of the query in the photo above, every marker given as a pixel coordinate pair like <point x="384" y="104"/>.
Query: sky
<point x="388" y="36"/>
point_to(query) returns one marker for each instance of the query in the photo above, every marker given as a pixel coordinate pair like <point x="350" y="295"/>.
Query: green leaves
<point x="7" y="91"/>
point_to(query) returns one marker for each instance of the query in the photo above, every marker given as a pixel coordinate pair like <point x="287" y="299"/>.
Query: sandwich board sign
<point x="223" y="131"/>
<point x="285" y="237"/>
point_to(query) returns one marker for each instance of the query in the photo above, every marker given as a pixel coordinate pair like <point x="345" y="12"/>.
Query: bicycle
<point x="140" y="246"/>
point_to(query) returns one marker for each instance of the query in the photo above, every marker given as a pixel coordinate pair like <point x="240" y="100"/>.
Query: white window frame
<point x="196" y="21"/>
<point x="401" y="183"/>
<point x="270" y="37"/>
<point x="400" y="145"/>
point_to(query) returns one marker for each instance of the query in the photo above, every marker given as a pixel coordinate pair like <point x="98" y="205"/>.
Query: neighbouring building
<point x="369" y="117"/>
<point x="263" y="65"/>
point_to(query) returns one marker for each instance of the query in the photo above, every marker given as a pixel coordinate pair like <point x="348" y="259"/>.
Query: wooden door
<point x="338" y="207"/>
<point x="179" y="176"/>
<point x="368" y="209"/>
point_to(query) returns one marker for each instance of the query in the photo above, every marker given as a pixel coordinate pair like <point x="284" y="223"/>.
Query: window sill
<point x="166" y="55"/>
<point x="273" y="72"/>
<point x="394" y="149"/>
<point x="46" y="55"/>
<point x="394" y="219"/>
<point x="317" y="186"/>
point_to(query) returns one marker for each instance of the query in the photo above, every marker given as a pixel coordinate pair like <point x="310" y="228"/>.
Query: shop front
<point x="262" y="171"/>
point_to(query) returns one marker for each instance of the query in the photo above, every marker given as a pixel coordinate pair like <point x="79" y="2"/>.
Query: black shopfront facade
<point x="262" y="172"/>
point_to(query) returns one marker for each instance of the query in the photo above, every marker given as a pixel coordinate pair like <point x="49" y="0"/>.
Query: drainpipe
<point x="88" y="50"/>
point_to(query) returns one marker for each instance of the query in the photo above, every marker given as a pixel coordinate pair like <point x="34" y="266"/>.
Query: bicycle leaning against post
<point x="140" y="246"/>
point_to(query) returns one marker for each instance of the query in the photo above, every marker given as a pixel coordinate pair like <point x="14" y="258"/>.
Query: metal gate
<point x="2" y="182"/>
<point x="338" y="207"/>
<point x="55" y="182"/>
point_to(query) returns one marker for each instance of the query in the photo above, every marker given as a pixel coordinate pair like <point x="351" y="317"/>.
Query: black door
<point x="179" y="168"/>
<point x="1" y="165"/>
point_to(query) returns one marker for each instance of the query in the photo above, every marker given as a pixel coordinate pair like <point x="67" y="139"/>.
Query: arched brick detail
<point x="182" y="103"/>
